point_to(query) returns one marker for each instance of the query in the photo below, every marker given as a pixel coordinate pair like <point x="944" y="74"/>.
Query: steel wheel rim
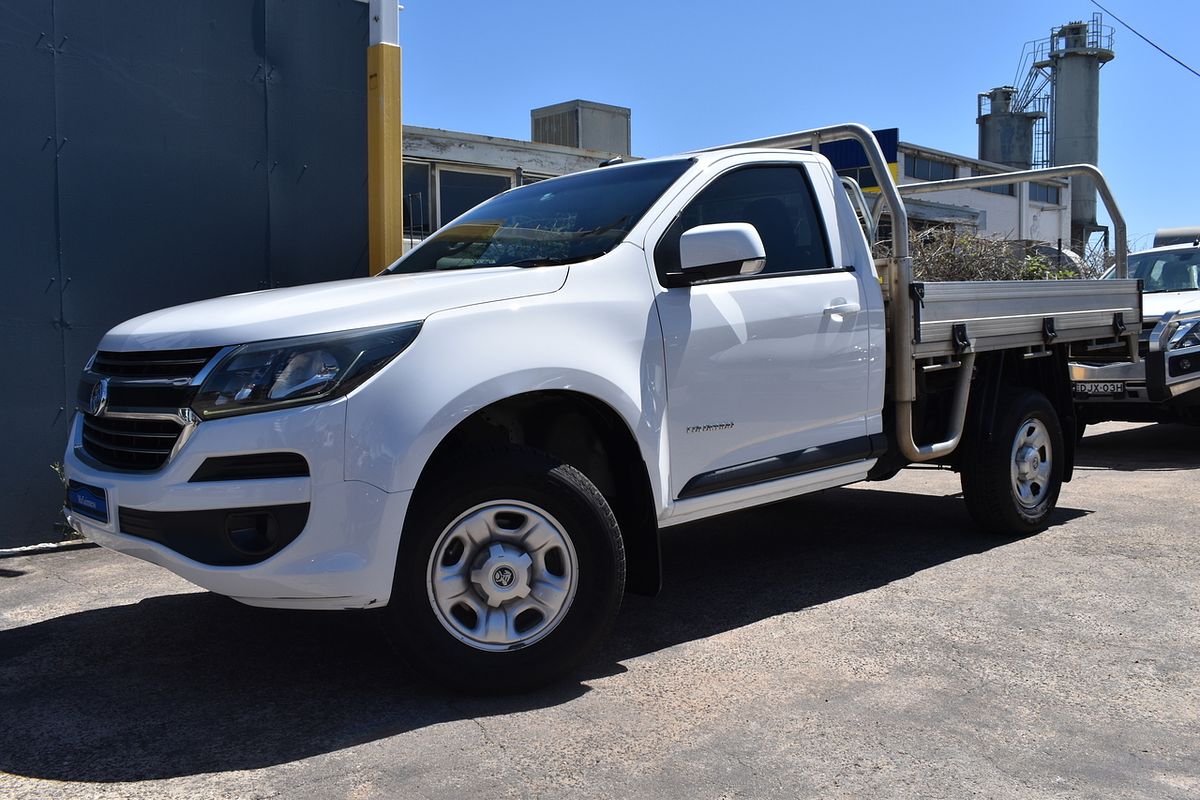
<point x="1031" y="463"/>
<point x="502" y="575"/>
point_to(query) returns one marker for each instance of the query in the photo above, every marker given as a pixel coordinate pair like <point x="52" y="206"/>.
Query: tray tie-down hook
<point x="1048" y="332"/>
<point x="959" y="335"/>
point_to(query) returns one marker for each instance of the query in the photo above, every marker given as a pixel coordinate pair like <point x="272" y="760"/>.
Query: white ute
<point x="1164" y="384"/>
<point x="487" y="438"/>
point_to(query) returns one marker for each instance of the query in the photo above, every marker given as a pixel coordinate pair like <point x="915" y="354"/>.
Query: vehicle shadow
<point x="195" y="683"/>
<point x="1160" y="447"/>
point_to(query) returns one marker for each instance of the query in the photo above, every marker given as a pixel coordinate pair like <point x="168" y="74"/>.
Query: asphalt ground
<point x="859" y="643"/>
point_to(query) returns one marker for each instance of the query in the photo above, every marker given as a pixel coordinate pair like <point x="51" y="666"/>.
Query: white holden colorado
<point x="487" y="438"/>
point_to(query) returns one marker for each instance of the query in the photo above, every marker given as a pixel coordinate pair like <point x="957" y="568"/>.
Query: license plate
<point x="90" y="501"/>
<point x="1101" y="389"/>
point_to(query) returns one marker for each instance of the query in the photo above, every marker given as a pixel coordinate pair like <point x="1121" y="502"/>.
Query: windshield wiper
<point x="1164" y="291"/>
<point x="599" y="229"/>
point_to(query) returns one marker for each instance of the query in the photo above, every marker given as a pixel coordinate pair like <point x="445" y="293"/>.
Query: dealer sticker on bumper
<point x="90" y="501"/>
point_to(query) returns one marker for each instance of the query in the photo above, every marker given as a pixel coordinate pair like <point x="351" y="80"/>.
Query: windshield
<point x="557" y="221"/>
<point x="1168" y="271"/>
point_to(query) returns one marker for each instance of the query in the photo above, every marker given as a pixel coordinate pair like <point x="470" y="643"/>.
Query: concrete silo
<point x="1052" y="117"/>
<point x="1005" y="132"/>
<point x="1074" y="55"/>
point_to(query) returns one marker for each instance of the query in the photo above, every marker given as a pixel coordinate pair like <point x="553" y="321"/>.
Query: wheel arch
<point x="586" y="432"/>
<point x="1048" y="375"/>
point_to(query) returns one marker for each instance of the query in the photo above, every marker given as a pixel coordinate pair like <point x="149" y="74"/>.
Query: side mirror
<point x="721" y="251"/>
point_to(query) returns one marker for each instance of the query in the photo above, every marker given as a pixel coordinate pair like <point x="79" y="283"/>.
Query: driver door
<point x="767" y="375"/>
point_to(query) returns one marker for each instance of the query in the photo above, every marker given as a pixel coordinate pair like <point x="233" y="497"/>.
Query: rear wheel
<point x="1011" y="482"/>
<point x="511" y="569"/>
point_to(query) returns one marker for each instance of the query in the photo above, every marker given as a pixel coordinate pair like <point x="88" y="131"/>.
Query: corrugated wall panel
<point x="316" y="127"/>
<point x="158" y="117"/>
<point x="32" y="380"/>
<point x="163" y="177"/>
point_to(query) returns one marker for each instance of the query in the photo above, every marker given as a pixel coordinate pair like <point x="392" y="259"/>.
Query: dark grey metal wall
<point x="153" y="154"/>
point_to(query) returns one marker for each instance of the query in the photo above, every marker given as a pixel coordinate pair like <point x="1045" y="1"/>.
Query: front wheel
<point x="1011" y="481"/>
<point x="511" y="569"/>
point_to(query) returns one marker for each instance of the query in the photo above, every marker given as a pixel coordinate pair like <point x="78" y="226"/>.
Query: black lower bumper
<point x="219" y="537"/>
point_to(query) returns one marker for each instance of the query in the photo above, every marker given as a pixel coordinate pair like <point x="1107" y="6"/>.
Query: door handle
<point x="843" y="308"/>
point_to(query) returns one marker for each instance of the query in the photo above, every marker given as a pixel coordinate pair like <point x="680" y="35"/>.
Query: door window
<point x="776" y="200"/>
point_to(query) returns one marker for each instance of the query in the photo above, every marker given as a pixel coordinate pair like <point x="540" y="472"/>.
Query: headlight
<point x="1188" y="335"/>
<point x="289" y="372"/>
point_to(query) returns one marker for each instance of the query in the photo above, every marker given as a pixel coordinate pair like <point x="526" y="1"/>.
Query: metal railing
<point x="1043" y="174"/>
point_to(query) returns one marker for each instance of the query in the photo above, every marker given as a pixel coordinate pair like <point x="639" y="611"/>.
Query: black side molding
<point x="786" y="465"/>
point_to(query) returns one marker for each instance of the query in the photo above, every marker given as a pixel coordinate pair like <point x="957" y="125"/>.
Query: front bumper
<point x="343" y="557"/>
<point x="1168" y="374"/>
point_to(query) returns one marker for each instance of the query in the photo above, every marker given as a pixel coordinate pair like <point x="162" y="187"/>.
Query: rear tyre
<point x="1011" y="482"/>
<point x="511" y="570"/>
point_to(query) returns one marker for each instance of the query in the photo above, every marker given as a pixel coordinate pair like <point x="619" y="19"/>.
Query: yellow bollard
<point x="385" y="147"/>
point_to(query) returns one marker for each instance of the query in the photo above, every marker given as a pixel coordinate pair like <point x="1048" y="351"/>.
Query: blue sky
<point x="702" y="73"/>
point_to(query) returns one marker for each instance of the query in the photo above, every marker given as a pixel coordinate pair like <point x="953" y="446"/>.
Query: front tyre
<point x="1011" y="482"/>
<point x="511" y="569"/>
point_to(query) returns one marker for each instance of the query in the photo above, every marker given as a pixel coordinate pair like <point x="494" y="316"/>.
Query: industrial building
<point x="1039" y="212"/>
<point x="448" y="172"/>
<point x="1036" y="213"/>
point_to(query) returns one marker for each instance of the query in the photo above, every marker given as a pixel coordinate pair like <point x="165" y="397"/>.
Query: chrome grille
<point x="152" y="363"/>
<point x="143" y="421"/>
<point x="137" y="396"/>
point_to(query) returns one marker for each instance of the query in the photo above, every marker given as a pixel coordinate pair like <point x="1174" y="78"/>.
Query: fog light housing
<point x="254" y="534"/>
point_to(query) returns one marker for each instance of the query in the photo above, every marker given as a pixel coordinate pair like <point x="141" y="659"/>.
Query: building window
<point x="1006" y="189"/>
<point x="927" y="169"/>
<point x="460" y="191"/>
<point x="864" y="176"/>
<point x="1041" y="193"/>
<point x="418" y="211"/>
